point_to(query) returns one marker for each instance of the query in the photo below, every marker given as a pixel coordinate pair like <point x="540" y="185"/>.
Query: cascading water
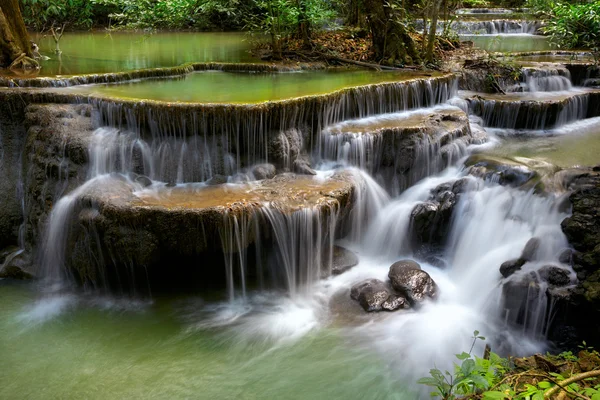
<point x="278" y="284"/>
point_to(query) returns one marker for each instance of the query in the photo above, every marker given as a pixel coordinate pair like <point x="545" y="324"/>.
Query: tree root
<point x="575" y="378"/>
<point x="24" y="62"/>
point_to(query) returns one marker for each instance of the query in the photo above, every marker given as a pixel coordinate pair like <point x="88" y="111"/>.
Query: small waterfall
<point x="489" y="27"/>
<point x="398" y="149"/>
<point x="248" y="126"/>
<point x="547" y="79"/>
<point x="532" y="111"/>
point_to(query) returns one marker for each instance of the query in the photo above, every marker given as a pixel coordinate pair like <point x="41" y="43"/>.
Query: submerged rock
<point x="413" y="283"/>
<point x="530" y="250"/>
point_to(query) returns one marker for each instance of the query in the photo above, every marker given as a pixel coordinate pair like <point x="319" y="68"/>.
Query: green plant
<point x="473" y="375"/>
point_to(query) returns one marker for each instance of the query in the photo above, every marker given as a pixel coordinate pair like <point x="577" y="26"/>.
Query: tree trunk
<point x="304" y="25"/>
<point x="14" y="39"/>
<point x="391" y="42"/>
<point x="435" y="11"/>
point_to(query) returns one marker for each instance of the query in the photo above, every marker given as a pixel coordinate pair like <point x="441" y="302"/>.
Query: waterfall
<point x="489" y="27"/>
<point x="546" y="80"/>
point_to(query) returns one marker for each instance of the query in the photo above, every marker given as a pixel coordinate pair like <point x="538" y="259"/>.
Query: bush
<point x="575" y="26"/>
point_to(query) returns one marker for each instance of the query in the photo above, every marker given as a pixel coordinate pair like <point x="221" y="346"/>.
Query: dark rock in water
<point x="285" y="148"/>
<point x="430" y="220"/>
<point x="555" y="275"/>
<point x="404" y="264"/>
<point x="143" y="180"/>
<point x="504" y="171"/>
<point x="14" y="272"/>
<point x="566" y="257"/>
<point x="343" y="260"/>
<point x="263" y="171"/>
<point x="303" y="167"/>
<point x="217" y="180"/>
<point x="17" y="266"/>
<point x="394" y="303"/>
<point x="530" y="250"/>
<point x="415" y="284"/>
<point x="582" y="229"/>
<point x="510" y="267"/>
<point x="372" y="294"/>
<point x="521" y="297"/>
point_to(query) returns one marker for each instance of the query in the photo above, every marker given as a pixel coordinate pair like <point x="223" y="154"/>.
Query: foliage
<point x="496" y="378"/>
<point x="570" y="25"/>
<point x="170" y="14"/>
<point x="473" y="375"/>
<point x="40" y="14"/>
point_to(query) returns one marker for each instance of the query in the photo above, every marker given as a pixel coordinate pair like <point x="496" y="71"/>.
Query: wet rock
<point x="17" y="266"/>
<point x="555" y="275"/>
<point x="263" y="171"/>
<point x="582" y="230"/>
<point x="566" y="257"/>
<point x="217" y="180"/>
<point x="530" y="250"/>
<point x="404" y="264"/>
<point x="504" y="171"/>
<point x="343" y="260"/>
<point x="510" y="267"/>
<point x="415" y="284"/>
<point x="372" y="294"/>
<point x="143" y="180"/>
<point x="285" y="148"/>
<point x="394" y="303"/>
<point x="125" y="234"/>
<point x="303" y="167"/>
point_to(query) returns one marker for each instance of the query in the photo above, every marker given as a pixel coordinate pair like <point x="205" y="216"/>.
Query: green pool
<point x="102" y="52"/>
<point x="510" y="43"/>
<point x="75" y="347"/>
<point x="242" y="87"/>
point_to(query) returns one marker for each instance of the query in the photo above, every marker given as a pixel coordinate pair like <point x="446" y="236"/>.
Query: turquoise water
<point x="82" y="347"/>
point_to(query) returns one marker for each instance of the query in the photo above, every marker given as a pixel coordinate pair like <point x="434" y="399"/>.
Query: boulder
<point x="530" y="249"/>
<point x="303" y="167"/>
<point x="414" y="284"/>
<point x="510" y="267"/>
<point x="554" y="275"/>
<point x="263" y="171"/>
<point x="217" y="180"/>
<point x="342" y="260"/>
<point x="371" y="294"/>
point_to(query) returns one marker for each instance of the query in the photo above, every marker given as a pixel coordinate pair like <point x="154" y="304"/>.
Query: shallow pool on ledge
<point x="244" y="87"/>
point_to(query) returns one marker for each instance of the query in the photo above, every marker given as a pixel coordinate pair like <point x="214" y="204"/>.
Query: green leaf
<point x="544" y="385"/>
<point x="463" y="356"/>
<point x="494" y="395"/>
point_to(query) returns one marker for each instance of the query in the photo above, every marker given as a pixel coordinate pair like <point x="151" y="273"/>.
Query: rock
<point x="510" y="267"/>
<point x="372" y="294"/>
<point x="303" y="167"/>
<point x="404" y="264"/>
<point x="343" y="260"/>
<point x="129" y="235"/>
<point x="504" y="171"/>
<point x="530" y="249"/>
<point x="17" y="265"/>
<point x="15" y="272"/>
<point x="285" y="148"/>
<point x="415" y="284"/>
<point x="217" y="180"/>
<point x="143" y="180"/>
<point x="555" y="275"/>
<point x="566" y="257"/>
<point x="394" y="303"/>
<point x="263" y="171"/>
